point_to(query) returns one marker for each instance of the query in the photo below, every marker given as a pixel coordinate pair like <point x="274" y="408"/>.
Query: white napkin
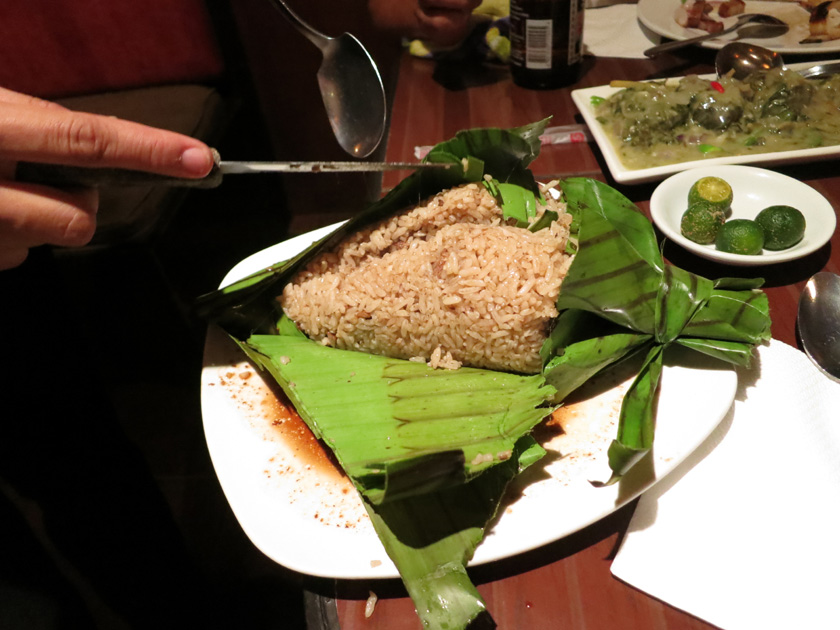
<point x="745" y="534"/>
<point x="614" y="31"/>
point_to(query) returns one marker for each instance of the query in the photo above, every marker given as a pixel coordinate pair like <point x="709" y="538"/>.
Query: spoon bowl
<point x="818" y="322"/>
<point x="351" y="87"/>
<point x="742" y="59"/>
<point x="763" y="30"/>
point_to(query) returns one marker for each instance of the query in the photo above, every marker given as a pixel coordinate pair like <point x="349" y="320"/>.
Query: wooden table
<point x="566" y="584"/>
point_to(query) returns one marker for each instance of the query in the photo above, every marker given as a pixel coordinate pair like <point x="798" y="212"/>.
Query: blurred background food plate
<point x="658" y="16"/>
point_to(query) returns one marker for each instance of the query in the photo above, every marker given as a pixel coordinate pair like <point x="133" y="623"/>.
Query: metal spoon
<point x="763" y="30"/>
<point x="743" y="59"/>
<point x="350" y="86"/>
<point x="821" y="70"/>
<point x="773" y="28"/>
<point x="819" y="322"/>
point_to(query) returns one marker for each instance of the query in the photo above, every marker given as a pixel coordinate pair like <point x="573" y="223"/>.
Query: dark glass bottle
<point x="546" y="42"/>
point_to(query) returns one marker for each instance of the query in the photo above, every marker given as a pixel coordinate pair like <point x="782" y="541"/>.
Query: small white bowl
<point x="753" y="189"/>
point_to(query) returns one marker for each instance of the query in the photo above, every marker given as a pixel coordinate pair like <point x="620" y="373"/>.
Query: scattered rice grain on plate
<point x="370" y="604"/>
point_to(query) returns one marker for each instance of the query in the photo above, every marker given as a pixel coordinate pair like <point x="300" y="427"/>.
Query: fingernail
<point x="197" y="161"/>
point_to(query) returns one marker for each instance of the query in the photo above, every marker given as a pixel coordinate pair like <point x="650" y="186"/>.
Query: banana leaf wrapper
<point x="620" y="297"/>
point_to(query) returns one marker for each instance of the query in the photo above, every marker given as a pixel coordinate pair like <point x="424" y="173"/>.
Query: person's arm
<point x="442" y="22"/>
<point x="35" y="130"/>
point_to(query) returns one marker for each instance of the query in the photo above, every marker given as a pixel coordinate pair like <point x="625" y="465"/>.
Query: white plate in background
<point x="658" y="16"/>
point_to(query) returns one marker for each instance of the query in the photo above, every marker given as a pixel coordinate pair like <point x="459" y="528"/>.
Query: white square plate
<point x="583" y="101"/>
<point x="302" y="513"/>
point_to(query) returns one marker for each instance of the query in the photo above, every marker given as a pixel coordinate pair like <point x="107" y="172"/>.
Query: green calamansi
<point x="783" y="226"/>
<point x="710" y="201"/>
<point x="740" y="236"/>
<point x="701" y="222"/>
<point x="714" y="191"/>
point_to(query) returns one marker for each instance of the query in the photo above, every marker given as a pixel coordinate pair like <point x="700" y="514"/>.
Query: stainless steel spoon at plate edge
<point x="742" y="59"/>
<point x="818" y="321"/>
<point x="774" y="28"/>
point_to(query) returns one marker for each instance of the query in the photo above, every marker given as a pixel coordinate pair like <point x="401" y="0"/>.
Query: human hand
<point x="35" y="130"/>
<point x="441" y="22"/>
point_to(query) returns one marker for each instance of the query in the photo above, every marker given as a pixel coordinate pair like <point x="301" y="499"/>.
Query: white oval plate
<point x="312" y="521"/>
<point x="753" y="189"/>
<point x="658" y="16"/>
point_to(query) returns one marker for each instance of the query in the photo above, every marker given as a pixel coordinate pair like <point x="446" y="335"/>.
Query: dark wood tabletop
<point x="566" y="584"/>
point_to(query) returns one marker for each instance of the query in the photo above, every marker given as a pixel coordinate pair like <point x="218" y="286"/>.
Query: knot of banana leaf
<point x="681" y="295"/>
<point x="619" y="297"/>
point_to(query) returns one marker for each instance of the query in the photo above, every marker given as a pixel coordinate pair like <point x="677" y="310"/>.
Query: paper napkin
<point x="745" y="534"/>
<point x="614" y="31"/>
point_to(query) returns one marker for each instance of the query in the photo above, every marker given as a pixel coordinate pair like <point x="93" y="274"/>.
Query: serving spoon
<point x="819" y="322"/>
<point x="742" y="59"/>
<point x="758" y="25"/>
<point x="351" y="87"/>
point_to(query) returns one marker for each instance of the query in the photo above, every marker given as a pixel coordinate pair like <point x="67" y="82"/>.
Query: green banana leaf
<point x="432" y="553"/>
<point x="400" y="428"/>
<point x="429" y="511"/>
<point x="619" y="276"/>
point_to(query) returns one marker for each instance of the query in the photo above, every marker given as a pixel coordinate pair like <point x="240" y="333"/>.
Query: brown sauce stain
<point x="270" y="411"/>
<point x="285" y="421"/>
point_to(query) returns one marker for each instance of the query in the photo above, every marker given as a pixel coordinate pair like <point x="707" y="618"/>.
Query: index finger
<point x="60" y="136"/>
<point x="9" y="96"/>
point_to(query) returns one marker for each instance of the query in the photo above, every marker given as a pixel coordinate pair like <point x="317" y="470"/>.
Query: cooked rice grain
<point x="446" y="281"/>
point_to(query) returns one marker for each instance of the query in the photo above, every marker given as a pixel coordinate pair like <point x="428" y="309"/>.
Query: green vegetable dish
<point x="445" y="443"/>
<point x="666" y="122"/>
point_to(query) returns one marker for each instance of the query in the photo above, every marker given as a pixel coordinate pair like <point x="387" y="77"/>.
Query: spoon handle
<point x="681" y="43"/>
<point x="314" y="36"/>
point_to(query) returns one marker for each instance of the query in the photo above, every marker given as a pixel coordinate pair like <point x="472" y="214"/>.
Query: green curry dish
<point x="714" y="110"/>
<point x="667" y="122"/>
<point x="777" y="96"/>
<point x="645" y="114"/>
<point x="646" y="305"/>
